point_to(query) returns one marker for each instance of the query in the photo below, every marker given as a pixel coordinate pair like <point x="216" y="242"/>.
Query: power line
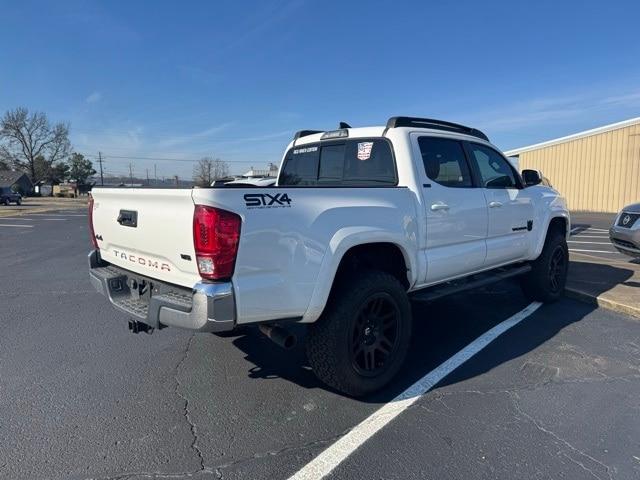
<point x="125" y="157"/>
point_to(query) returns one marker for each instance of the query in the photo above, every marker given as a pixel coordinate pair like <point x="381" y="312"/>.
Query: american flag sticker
<point x="364" y="150"/>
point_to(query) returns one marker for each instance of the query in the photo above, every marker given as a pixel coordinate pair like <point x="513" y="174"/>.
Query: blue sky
<point x="180" y="80"/>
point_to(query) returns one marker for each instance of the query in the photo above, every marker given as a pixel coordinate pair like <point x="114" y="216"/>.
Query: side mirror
<point x="531" y="177"/>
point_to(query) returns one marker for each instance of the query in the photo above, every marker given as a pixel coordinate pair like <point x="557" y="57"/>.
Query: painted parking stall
<point x="333" y="456"/>
<point x="592" y="240"/>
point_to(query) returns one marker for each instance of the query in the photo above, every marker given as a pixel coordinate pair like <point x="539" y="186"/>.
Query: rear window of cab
<point x="354" y="162"/>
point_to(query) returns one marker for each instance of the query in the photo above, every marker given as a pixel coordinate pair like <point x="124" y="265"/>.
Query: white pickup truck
<point x="360" y="222"/>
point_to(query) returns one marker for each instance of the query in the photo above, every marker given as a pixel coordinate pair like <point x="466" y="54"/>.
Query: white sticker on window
<point x="305" y="150"/>
<point x="364" y="150"/>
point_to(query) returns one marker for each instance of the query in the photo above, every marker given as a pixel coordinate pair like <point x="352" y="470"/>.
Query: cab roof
<point x="345" y="131"/>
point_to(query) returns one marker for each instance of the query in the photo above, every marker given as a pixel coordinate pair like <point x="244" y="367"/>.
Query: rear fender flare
<point x="339" y="245"/>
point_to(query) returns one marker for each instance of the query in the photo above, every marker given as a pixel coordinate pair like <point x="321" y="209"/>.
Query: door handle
<point x="439" y="206"/>
<point x="495" y="204"/>
<point x="128" y="218"/>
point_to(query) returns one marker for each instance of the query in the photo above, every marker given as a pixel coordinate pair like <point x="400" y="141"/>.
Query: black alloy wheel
<point x="375" y="334"/>
<point x="557" y="268"/>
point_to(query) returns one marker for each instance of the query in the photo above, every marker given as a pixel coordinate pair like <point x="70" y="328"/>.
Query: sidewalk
<point x="614" y="285"/>
<point x="43" y="204"/>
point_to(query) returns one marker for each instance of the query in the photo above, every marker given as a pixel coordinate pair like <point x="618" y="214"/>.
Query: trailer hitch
<point x="137" y="327"/>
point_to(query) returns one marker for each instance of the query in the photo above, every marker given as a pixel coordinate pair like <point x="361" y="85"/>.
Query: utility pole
<point x="147" y="177"/>
<point x="155" y="173"/>
<point x="100" y="162"/>
<point x="130" y="174"/>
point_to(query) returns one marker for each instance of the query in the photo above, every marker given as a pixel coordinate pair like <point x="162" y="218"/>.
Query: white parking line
<point x="26" y="219"/>
<point x="54" y="215"/>
<point x="592" y="251"/>
<point x="8" y="225"/>
<point x="592" y="243"/>
<point x="336" y="453"/>
<point x="591" y="229"/>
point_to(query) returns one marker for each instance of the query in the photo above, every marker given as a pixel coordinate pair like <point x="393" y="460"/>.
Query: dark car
<point x="7" y="196"/>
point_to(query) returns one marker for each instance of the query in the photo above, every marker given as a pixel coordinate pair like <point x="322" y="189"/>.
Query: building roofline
<point x="575" y="136"/>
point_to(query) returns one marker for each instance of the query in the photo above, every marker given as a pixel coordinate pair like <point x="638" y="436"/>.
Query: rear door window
<point x="355" y="162"/>
<point x="445" y="162"/>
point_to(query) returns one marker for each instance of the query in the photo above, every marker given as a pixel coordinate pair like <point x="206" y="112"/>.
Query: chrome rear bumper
<point x="207" y="307"/>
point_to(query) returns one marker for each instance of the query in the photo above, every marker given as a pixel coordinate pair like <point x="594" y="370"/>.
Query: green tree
<point x="51" y="173"/>
<point x="80" y="168"/>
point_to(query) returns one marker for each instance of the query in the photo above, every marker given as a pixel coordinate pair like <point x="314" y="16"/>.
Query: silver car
<point x="625" y="231"/>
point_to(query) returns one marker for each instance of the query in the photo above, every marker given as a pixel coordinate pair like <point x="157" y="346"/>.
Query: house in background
<point x="16" y="182"/>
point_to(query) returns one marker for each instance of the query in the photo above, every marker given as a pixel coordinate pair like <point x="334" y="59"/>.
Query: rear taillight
<point x="216" y="234"/>
<point x="94" y="241"/>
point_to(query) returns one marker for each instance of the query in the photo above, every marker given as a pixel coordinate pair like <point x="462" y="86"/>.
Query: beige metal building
<point x="597" y="170"/>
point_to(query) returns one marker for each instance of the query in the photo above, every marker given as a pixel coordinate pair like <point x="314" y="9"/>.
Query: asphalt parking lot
<point x="555" y="396"/>
<point x="590" y="236"/>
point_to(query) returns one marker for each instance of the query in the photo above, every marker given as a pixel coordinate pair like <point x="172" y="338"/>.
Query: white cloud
<point x="93" y="98"/>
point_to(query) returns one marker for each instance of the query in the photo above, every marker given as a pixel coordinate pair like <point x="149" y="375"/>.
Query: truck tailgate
<point x="147" y="231"/>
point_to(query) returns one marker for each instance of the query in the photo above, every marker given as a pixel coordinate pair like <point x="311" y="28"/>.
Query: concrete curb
<point x="603" y="302"/>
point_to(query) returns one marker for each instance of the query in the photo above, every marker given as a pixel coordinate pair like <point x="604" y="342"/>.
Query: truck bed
<point x="285" y="233"/>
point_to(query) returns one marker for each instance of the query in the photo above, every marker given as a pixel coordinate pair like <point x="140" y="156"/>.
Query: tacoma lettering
<point x="142" y="261"/>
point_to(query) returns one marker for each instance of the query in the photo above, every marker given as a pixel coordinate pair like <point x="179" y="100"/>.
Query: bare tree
<point x="207" y="170"/>
<point x="220" y="169"/>
<point x="25" y="137"/>
<point x="203" y="172"/>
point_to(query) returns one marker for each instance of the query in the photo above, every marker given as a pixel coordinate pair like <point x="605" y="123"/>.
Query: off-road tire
<point x="539" y="284"/>
<point x="330" y="342"/>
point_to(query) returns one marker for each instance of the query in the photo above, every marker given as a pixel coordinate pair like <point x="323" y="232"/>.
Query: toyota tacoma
<point x="361" y="222"/>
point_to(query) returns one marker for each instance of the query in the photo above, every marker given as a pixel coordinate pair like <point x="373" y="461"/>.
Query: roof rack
<point x="434" y="124"/>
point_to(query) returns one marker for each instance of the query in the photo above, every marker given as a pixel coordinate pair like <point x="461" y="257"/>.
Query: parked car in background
<point x="256" y="182"/>
<point x="625" y="231"/>
<point x="7" y="196"/>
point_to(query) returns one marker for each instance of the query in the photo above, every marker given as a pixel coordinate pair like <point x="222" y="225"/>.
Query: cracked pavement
<point x="558" y="396"/>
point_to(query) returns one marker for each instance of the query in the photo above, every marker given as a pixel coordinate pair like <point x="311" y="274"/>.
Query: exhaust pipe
<point x="278" y="335"/>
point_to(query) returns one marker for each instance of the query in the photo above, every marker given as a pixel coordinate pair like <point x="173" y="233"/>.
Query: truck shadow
<point x="272" y="362"/>
<point x="596" y="278"/>
<point x="441" y="329"/>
